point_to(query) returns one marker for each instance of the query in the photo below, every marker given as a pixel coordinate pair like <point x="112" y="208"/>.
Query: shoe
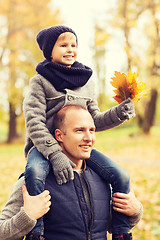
<point x="34" y="236"/>
<point x="124" y="236"/>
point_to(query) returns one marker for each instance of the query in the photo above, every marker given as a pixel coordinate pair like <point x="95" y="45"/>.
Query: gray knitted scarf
<point x="63" y="77"/>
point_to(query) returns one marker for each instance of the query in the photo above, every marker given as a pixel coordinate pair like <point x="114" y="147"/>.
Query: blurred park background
<point x="114" y="35"/>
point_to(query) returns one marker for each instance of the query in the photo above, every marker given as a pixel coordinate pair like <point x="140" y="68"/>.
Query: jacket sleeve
<point x="14" y="222"/>
<point x="132" y="220"/>
<point x="34" y="108"/>
<point x="104" y="120"/>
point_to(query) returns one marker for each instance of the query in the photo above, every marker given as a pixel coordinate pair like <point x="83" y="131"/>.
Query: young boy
<point x="60" y="81"/>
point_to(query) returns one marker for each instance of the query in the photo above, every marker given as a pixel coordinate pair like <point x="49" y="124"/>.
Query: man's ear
<point x="58" y="135"/>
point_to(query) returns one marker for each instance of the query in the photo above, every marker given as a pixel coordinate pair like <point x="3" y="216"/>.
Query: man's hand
<point x="126" y="203"/>
<point x="36" y="206"/>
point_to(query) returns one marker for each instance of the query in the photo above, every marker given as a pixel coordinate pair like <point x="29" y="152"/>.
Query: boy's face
<point x="65" y="49"/>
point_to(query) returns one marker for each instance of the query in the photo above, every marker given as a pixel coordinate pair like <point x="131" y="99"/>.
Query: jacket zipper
<point x="89" y="236"/>
<point x="88" y="232"/>
<point x="91" y="220"/>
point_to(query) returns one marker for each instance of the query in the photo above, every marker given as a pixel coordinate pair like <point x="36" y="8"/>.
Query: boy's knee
<point x="125" y="177"/>
<point x="34" y="172"/>
<point x="123" y="181"/>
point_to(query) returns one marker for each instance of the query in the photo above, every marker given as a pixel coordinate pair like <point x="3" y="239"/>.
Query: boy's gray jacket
<point x="43" y="101"/>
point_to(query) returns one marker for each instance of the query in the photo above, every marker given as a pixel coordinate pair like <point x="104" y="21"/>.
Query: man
<point x="79" y="209"/>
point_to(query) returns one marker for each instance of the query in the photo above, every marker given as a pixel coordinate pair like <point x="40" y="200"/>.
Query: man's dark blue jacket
<point x="69" y="218"/>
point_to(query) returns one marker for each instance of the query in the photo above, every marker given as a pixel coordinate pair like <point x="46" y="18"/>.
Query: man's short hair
<point x="59" y="118"/>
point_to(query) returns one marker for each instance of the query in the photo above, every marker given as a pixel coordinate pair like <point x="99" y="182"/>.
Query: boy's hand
<point x="126" y="109"/>
<point x="62" y="167"/>
<point x="36" y="206"/>
<point x="126" y="203"/>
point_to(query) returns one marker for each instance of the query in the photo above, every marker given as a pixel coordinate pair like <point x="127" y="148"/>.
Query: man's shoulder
<point x="15" y="199"/>
<point x="17" y="187"/>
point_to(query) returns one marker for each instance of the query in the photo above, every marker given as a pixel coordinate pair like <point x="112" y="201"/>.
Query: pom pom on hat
<point x="47" y="38"/>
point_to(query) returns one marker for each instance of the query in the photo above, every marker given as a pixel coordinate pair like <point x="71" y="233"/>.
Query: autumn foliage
<point x="127" y="86"/>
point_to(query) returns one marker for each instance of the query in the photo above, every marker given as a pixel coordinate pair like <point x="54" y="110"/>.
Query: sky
<point x="80" y="15"/>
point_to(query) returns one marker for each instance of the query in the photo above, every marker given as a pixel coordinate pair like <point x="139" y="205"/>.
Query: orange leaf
<point x="118" y="99"/>
<point x="127" y="86"/>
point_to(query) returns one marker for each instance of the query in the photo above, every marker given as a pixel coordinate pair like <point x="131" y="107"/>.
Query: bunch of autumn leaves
<point x="127" y="86"/>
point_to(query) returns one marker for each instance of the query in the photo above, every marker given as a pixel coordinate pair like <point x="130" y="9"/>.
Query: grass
<point x="12" y="163"/>
<point x="138" y="153"/>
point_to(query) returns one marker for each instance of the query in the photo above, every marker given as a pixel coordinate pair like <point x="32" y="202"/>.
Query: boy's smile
<point x="65" y="49"/>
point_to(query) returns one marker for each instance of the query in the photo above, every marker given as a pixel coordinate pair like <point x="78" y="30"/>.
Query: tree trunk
<point x="149" y="113"/>
<point x="12" y="133"/>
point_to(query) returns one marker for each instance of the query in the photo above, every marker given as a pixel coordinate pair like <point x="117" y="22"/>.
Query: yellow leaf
<point x="127" y="86"/>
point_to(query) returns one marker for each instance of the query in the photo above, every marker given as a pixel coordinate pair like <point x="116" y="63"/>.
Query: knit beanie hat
<point x="47" y="38"/>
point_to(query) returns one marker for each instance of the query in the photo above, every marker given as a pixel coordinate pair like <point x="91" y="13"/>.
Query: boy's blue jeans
<point x="37" y="169"/>
<point x="119" y="179"/>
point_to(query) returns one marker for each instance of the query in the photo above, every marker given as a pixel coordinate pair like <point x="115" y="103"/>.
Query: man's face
<point x="78" y="136"/>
